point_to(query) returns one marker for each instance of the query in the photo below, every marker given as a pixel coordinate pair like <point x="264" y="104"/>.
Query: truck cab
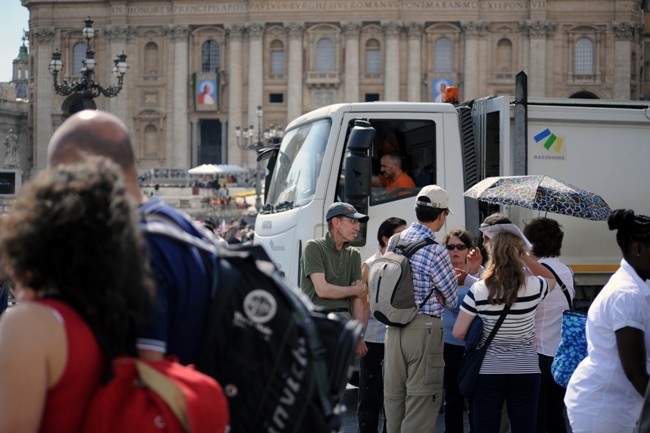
<point x="309" y="173"/>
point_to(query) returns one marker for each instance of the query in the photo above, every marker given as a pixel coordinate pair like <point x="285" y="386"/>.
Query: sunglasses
<point x="459" y="247"/>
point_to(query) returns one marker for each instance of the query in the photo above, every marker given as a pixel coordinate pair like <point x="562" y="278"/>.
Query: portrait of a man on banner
<point x="206" y="94"/>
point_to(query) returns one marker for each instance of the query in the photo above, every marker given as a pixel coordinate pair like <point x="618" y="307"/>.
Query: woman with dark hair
<point x="510" y="370"/>
<point x="72" y="247"/>
<point x="605" y="393"/>
<point x="546" y="235"/>
<point x="371" y="384"/>
<point x="459" y="244"/>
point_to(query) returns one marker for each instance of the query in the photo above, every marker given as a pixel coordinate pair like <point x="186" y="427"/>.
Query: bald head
<point x="95" y="133"/>
<point x="88" y="133"/>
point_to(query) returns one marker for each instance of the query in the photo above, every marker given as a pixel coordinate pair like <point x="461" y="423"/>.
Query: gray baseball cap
<point x="345" y="209"/>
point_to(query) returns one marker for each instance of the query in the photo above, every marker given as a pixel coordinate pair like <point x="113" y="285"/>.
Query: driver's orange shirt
<point x="402" y="181"/>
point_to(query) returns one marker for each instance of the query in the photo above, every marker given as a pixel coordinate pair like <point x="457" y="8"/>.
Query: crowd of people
<point x="514" y="273"/>
<point x="81" y="267"/>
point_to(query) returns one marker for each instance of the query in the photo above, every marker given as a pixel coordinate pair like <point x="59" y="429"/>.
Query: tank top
<point x="67" y="400"/>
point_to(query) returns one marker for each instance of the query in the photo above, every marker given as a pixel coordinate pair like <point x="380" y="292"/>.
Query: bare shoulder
<point x="39" y="318"/>
<point x="31" y="332"/>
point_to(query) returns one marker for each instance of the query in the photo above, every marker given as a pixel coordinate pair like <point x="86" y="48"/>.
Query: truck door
<point x="413" y="138"/>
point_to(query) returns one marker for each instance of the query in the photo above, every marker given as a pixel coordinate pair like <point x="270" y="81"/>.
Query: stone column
<point x="294" y="71"/>
<point x="351" y="33"/>
<point x="538" y="32"/>
<point x="255" y="73"/>
<point x="392" y="31"/>
<point x="43" y="94"/>
<point x="118" y="37"/>
<point x="474" y="71"/>
<point x="178" y="150"/>
<point x="234" y="69"/>
<point x="624" y="34"/>
<point x="414" y="71"/>
<point x="194" y="142"/>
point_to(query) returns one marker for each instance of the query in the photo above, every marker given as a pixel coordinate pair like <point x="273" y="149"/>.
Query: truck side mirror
<point x="358" y="165"/>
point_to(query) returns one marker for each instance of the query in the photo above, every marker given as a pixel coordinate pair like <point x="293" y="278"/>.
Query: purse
<point x="573" y="346"/>
<point x="470" y="366"/>
<point x="573" y="343"/>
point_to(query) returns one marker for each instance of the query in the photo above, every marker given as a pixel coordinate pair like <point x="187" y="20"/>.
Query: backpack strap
<point x="162" y="226"/>
<point x="407" y="249"/>
<point x="559" y="281"/>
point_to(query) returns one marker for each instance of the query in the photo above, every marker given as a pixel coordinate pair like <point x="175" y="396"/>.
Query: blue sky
<point x="13" y="19"/>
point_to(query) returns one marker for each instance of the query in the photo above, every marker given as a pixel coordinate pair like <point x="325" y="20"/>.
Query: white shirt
<point x="599" y="386"/>
<point x="548" y="319"/>
<point x="375" y="331"/>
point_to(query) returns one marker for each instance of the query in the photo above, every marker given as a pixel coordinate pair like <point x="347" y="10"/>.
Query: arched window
<point x="373" y="57"/>
<point x="325" y="55"/>
<point x="20" y="74"/>
<point x="151" y="59"/>
<point x="277" y="58"/>
<point x="504" y="58"/>
<point x="26" y="74"/>
<point x="584" y="59"/>
<point x="78" y="55"/>
<point x="443" y="60"/>
<point x="150" y="149"/>
<point x="210" y="56"/>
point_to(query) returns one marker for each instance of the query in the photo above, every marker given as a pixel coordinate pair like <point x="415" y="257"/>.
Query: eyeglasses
<point x="352" y="220"/>
<point x="459" y="247"/>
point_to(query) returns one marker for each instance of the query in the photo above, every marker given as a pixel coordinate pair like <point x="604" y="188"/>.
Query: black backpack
<point x="282" y="363"/>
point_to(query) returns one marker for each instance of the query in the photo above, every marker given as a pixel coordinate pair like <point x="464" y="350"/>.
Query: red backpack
<point x="157" y="397"/>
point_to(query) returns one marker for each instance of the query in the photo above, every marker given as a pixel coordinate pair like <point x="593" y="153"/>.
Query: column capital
<point x="475" y="29"/>
<point x="538" y="29"/>
<point x="391" y="28"/>
<point x="235" y="31"/>
<point x="414" y="29"/>
<point x="119" y="33"/>
<point x="626" y="30"/>
<point x="351" y="29"/>
<point x="295" y="29"/>
<point x="255" y="30"/>
<point x="177" y="33"/>
<point x="43" y="35"/>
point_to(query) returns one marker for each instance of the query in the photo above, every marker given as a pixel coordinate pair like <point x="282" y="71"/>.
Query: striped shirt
<point x="512" y="350"/>
<point x="431" y="266"/>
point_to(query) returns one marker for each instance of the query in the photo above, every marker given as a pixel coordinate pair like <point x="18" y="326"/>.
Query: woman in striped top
<point x="510" y="370"/>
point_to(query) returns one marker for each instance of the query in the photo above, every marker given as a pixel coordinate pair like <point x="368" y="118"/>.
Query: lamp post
<point x="85" y="85"/>
<point x="250" y="139"/>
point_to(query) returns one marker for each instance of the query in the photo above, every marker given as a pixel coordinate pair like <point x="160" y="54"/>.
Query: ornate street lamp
<point x="85" y="85"/>
<point x="249" y="139"/>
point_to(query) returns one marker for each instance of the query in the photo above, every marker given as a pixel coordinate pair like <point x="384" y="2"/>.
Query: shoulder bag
<point x="470" y="366"/>
<point x="573" y="344"/>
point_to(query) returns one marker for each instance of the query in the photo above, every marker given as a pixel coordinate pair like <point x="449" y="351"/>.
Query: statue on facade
<point x="11" y="151"/>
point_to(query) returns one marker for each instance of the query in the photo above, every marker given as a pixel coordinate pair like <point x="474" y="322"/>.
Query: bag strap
<point x="160" y="225"/>
<point x="502" y="317"/>
<point x="408" y="250"/>
<point x="559" y="281"/>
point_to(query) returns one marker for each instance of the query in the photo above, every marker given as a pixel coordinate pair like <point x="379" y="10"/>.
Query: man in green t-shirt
<point x="331" y="268"/>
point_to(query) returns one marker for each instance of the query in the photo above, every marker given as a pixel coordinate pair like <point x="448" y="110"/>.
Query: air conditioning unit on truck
<point x="323" y="158"/>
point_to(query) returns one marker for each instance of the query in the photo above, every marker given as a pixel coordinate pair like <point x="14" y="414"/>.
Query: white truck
<point x="322" y="158"/>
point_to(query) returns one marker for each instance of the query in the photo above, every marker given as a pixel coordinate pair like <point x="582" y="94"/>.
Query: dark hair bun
<point x="620" y="218"/>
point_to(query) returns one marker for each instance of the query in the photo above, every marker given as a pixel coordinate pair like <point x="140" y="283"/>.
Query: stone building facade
<point x="291" y="56"/>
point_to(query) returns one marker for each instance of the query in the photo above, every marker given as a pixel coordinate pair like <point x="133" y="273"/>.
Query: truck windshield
<point x="298" y="165"/>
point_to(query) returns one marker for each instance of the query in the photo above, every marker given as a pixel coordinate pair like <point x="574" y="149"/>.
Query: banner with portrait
<point x="439" y="86"/>
<point x="206" y="92"/>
